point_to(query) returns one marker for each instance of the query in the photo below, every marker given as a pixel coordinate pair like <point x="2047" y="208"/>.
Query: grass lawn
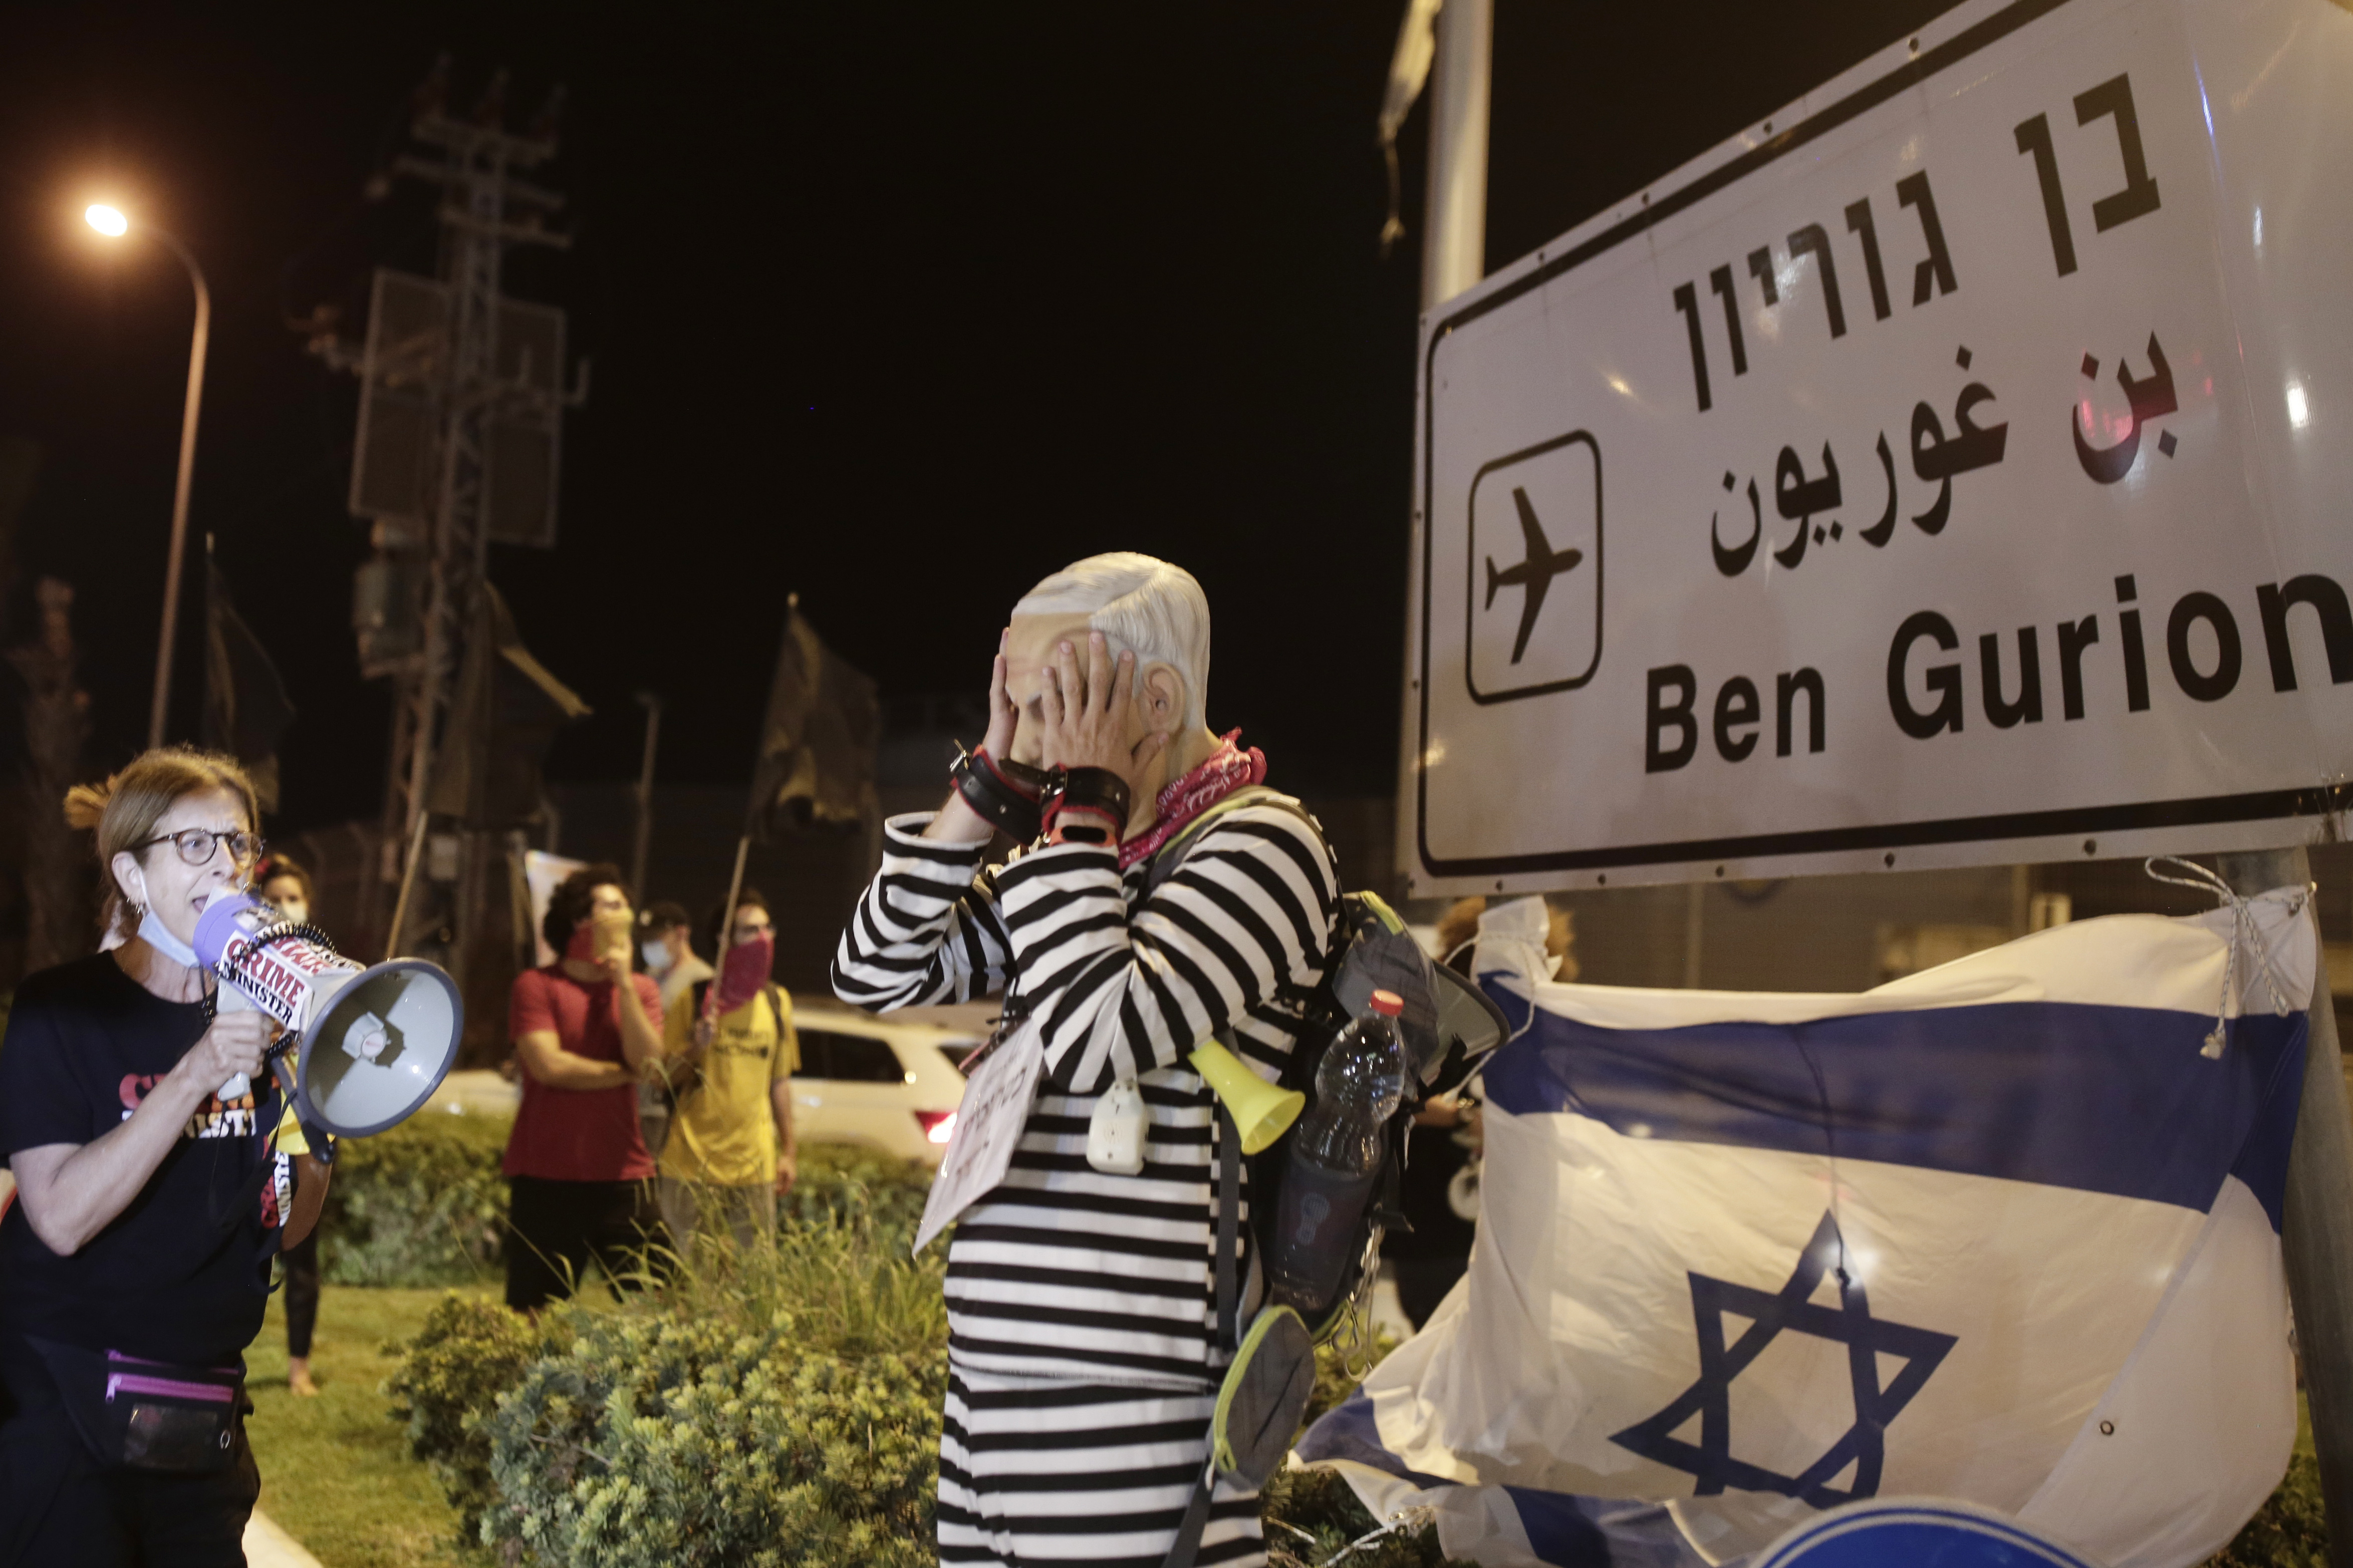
<point x="335" y="1471"/>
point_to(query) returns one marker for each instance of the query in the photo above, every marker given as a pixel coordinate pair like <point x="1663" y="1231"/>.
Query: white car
<point x="888" y="1083"/>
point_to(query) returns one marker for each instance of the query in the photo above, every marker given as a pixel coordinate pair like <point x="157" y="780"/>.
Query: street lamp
<point x="111" y="222"/>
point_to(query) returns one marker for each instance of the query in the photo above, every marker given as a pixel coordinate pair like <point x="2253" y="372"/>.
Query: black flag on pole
<point x="815" y="764"/>
<point x="503" y="715"/>
<point x="246" y="708"/>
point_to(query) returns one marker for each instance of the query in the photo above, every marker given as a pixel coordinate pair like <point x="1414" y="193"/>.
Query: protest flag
<point x="815" y="763"/>
<point x="246" y="706"/>
<point x="503" y="715"/>
<point x="2005" y="1232"/>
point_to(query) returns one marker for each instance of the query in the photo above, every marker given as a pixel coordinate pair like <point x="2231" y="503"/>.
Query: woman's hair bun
<point x="86" y="805"/>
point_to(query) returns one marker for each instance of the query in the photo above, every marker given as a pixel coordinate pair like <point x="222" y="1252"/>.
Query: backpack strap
<point x="1187" y="1544"/>
<point x="1172" y="854"/>
<point x="1230" y="1209"/>
<point x="773" y="993"/>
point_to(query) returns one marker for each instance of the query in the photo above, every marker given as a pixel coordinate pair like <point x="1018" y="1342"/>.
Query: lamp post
<point x="111" y="222"/>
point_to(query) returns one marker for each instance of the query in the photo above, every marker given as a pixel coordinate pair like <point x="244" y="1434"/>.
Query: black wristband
<point x="995" y="793"/>
<point x="1020" y="777"/>
<point x="1096" y="790"/>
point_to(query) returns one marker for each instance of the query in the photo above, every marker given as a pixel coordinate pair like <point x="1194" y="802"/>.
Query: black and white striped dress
<point x="1081" y="1313"/>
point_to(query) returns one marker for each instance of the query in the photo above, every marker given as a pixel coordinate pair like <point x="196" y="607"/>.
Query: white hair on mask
<point x="1141" y="604"/>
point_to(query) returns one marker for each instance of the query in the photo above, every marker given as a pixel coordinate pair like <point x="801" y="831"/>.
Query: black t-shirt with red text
<point x="181" y="1274"/>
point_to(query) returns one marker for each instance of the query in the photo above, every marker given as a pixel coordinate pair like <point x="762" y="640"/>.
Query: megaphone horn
<point x="1262" y="1111"/>
<point x="372" y="1043"/>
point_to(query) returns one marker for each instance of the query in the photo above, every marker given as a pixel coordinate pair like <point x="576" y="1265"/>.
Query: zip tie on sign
<point x="2244" y="932"/>
<point x="1404" y="1520"/>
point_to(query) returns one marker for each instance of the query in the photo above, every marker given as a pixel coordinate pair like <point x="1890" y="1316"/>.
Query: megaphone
<point x="369" y="1045"/>
<point x="1262" y="1111"/>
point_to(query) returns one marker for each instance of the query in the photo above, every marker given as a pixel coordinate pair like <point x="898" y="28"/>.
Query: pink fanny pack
<point x="143" y="1415"/>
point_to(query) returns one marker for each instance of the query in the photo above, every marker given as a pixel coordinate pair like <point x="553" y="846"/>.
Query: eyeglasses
<point x="197" y="845"/>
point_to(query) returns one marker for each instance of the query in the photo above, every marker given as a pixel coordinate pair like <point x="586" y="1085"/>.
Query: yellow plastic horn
<point x="1261" y="1112"/>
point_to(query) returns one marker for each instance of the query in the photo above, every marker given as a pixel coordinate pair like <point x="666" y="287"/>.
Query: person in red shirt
<point x="584" y="1027"/>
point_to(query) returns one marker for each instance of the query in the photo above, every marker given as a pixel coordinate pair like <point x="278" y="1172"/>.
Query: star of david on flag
<point x="2002" y="1232"/>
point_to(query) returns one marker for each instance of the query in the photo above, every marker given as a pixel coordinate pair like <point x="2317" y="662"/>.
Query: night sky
<point x="897" y="307"/>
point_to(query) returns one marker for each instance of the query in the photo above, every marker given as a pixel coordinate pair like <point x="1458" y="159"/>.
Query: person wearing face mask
<point x="157" y="1175"/>
<point x="669" y="957"/>
<point x="282" y="883"/>
<point x="576" y="1165"/>
<point x="728" y="1059"/>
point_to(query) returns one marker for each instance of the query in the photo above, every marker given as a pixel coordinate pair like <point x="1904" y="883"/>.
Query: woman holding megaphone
<point x="150" y="1199"/>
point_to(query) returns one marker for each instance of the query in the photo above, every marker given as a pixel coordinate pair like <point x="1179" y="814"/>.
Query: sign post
<point x="2317" y="1236"/>
<point x="1948" y="470"/>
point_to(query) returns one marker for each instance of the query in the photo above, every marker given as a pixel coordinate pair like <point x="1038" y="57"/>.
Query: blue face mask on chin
<point x="656" y="955"/>
<point x="154" y="933"/>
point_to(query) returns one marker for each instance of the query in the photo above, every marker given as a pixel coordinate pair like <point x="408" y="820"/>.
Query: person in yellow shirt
<point x="730" y="1152"/>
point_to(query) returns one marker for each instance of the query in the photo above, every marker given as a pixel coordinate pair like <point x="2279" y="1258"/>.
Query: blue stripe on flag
<point x="1347" y="1431"/>
<point x="1559" y="1530"/>
<point x="1564" y="1530"/>
<point x="2099" y="1098"/>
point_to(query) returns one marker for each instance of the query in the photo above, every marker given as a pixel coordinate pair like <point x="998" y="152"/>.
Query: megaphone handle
<point x="225" y="998"/>
<point x="281" y="1069"/>
<point x="323" y="1147"/>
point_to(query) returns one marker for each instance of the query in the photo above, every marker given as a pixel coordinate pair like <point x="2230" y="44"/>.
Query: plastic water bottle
<point x="1335" y="1157"/>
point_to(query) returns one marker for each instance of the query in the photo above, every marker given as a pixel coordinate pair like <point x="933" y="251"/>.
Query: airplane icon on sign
<point x="1535" y="574"/>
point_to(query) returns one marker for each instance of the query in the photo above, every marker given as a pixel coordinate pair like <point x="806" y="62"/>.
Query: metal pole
<point x="2318" y="1235"/>
<point x="653" y="706"/>
<point x="1694" y="928"/>
<point x="225" y="743"/>
<point x="1454" y="219"/>
<point x="180" y="492"/>
<point x="407" y="881"/>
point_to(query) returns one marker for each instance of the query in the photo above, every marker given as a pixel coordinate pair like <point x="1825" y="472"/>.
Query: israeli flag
<point x="2005" y="1232"/>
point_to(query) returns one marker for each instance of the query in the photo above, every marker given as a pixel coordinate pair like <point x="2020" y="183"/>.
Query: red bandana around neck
<point x="1228" y="768"/>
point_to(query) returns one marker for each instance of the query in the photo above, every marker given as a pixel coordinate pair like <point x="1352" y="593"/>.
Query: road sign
<point x="1968" y="447"/>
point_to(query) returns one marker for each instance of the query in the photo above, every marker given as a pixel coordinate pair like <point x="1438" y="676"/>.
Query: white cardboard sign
<point x="989" y="1124"/>
<point x="1957" y="468"/>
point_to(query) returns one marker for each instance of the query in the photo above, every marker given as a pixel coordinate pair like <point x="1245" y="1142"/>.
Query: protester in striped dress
<point x="1083" y="1356"/>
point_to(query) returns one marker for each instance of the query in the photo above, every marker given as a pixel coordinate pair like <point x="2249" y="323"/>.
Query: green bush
<point x="683" y="1440"/>
<point x="1312" y="1516"/>
<point x="420" y="1205"/>
<point x="846" y="1184"/>
<point x="779" y="1405"/>
<point x="468" y="1354"/>
<point x="424" y="1203"/>
<point x="811" y="1369"/>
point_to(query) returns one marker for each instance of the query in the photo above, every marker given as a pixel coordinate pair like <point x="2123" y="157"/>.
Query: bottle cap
<point x="1387" y="1003"/>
